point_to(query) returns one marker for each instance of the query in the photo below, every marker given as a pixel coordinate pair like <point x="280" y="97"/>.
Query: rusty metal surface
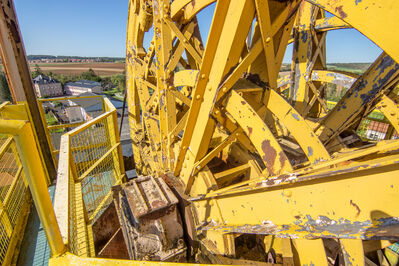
<point x="149" y="220"/>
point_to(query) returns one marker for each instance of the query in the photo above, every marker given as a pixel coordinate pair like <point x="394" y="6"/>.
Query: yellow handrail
<point x="90" y="164"/>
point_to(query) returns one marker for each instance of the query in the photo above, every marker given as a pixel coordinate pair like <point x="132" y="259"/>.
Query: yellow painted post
<point x="36" y="177"/>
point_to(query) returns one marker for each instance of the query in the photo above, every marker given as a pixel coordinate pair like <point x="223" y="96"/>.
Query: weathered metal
<point x="259" y="174"/>
<point x="149" y="220"/>
<point x="251" y="158"/>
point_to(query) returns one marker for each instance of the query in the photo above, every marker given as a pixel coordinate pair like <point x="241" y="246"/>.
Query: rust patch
<point x="249" y="131"/>
<point x="283" y="158"/>
<point x="158" y="204"/>
<point x="356" y="206"/>
<point x="341" y="12"/>
<point x="269" y="156"/>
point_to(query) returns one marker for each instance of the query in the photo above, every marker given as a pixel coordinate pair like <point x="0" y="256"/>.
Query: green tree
<point x="50" y="74"/>
<point x="37" y="71"/>
<point x="5" y="94"/>
<point x="90" y="75"/>
<point x="119" y="80"/>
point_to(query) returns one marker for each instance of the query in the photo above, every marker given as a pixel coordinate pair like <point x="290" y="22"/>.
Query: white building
<point x="82" y="86"/>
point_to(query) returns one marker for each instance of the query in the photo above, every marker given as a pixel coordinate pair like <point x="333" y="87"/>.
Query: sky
<point x="98" y="28"/>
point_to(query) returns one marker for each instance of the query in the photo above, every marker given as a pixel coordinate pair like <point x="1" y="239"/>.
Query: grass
<point x="50" y="119"/>
<point x="111" y="92"/>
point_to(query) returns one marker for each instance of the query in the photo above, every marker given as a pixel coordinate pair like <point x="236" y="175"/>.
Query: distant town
<point x="37" y="59"/>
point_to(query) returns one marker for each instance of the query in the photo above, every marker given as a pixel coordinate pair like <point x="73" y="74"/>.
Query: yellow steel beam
<point x="312" y="207"/>
<point x="233" y="34"/>
<point x="19" y="78"/>
<point x="385" y="72"/>
<point x="331" y="23"/>
<point x="352" y="251"/>
<point x="310" y="252"/>
<point x="35" y="176"/>
<point x="390" y="109"/>
<point x="260" y="135"/>
<point x="300" y="130"/>
<point x="70" y="259"/>
<point x="359" y="14"/>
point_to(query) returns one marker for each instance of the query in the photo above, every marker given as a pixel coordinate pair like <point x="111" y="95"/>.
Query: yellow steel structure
<point x="250" y="159"/>
<point x="263" y="175"/>
<point x="20" y="166"/>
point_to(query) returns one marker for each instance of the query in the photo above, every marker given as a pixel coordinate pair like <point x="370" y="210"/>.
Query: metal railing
<point x="20" y="166"/>
<point x="58" y="120"/>
<point x="90" y="163"/>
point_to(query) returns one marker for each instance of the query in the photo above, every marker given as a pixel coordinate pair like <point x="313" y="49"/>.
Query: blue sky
<point x="98" y="28"/>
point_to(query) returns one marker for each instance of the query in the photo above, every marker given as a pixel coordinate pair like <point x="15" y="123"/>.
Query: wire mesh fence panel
<point x="13" y="196"/>
<point x="93" y="156"/>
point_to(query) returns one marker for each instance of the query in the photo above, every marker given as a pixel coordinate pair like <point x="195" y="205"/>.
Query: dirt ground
<point x="102" y="69"/>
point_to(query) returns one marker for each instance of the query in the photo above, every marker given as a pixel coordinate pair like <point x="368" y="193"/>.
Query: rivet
<point x="152" y="42"/>
<point x="393" y="113"/>
<point x="224" y="89"/>
<point x="203" y="76"/>
<point x="268" y="39"/>
<point x="237" y="134"/>
<point x="198" y="97"/>
<point x="217" y="112"/>
<point x="185" y="41"/>
<point x="209" y="88"/>
<point x="287" y="193"/>
<point x="199" y="167"/>
<point x="185" y="166"/>
<point x="184" y="147"/>
<point x="170" y="87"/>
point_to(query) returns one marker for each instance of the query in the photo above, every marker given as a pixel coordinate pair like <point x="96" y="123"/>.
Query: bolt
<point x="287" y="193"/>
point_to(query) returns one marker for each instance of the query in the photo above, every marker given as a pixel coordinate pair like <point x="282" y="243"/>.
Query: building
<point x="83" y="86"/>
<point x="378" y="130"/>
<point x="47" y="87"/>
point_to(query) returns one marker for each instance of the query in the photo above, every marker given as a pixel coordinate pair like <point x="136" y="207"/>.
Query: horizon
<point x="125" y="58"/>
